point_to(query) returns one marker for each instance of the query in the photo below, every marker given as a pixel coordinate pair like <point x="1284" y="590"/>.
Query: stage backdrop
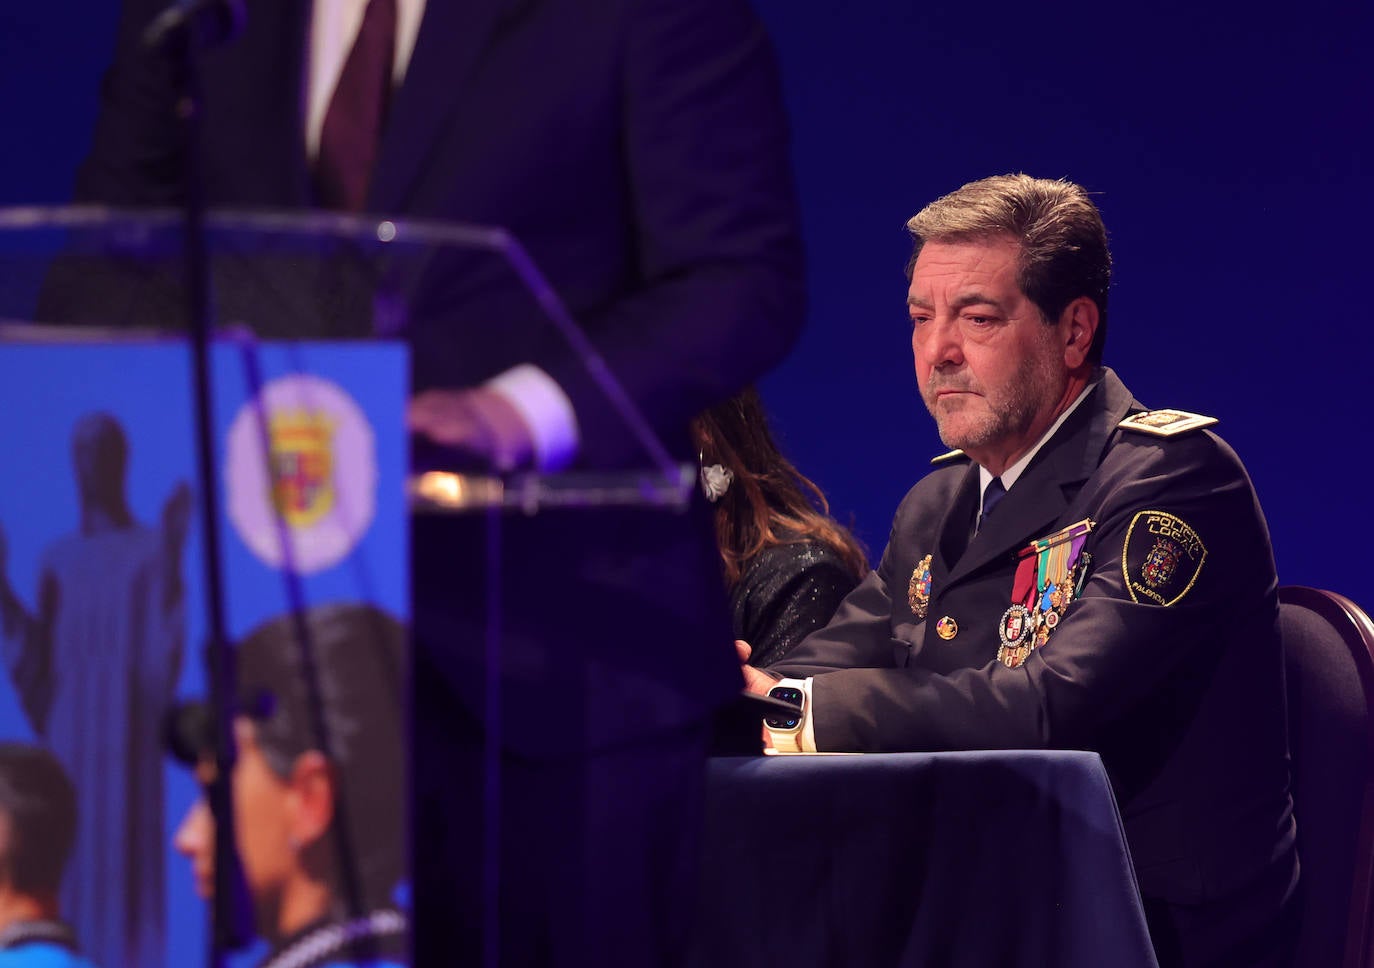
<point x="102" y="569"/>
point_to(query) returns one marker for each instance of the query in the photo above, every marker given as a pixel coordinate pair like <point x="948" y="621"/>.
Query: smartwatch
<point x="784" y="730"/>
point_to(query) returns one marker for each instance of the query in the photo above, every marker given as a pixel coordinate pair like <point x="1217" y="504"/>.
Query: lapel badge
<point x="918" y="589"/>
<point x="947" y="628"/>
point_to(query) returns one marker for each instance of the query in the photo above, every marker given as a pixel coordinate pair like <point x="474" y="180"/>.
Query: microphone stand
<point x="231" y="917"/>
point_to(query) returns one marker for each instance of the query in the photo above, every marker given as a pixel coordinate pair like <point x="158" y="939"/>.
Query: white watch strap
<point x="790" y="740"/>
<point x="785" y="741"/>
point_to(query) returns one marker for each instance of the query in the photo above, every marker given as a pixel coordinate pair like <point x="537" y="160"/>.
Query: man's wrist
<point x="544" y="409"/>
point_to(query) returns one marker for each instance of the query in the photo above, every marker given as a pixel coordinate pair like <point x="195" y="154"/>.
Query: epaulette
<point x="1166" y="423"/>
<point x="948" y="456"/>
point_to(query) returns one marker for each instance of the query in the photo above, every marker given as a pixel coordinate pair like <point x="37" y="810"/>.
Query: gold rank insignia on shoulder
<point x="1166" y="423"/>
<point x="947" y="456"/>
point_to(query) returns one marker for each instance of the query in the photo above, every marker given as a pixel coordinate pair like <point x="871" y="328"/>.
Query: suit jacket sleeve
<point x="714" y="219"/>
<point x="137" y="154"/>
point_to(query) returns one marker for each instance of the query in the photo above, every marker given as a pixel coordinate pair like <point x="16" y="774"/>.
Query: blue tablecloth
<point x="933" y="859"/>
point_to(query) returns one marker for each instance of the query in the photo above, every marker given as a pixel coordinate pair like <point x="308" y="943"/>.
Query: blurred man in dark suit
<point x="638" y="150"/>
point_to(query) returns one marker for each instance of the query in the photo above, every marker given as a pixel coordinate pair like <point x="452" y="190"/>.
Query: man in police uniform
<point x="1080" y="573"/>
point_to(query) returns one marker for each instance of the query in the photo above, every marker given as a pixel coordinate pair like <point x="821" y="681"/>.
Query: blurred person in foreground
<point x="37" y="827"/>
<point x="299" y="810"/>
<point x="1081" y="573"/>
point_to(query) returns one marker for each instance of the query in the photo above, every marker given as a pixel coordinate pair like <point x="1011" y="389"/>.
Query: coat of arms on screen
<point x="301" y="464"/>
<point x="301" y="454"/>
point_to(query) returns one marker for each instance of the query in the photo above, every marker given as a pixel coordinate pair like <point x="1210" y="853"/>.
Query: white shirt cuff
<point x="546" y="410"/>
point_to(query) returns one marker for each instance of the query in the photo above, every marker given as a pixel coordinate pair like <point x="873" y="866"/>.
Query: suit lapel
<point x="453" y="35"/>
<point x="257" y="85"/>
<point x="953" y="533"/>
<point x="1032" y="504"/>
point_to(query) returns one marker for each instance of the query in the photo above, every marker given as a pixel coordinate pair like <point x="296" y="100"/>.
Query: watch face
<point x="787" y="694"/>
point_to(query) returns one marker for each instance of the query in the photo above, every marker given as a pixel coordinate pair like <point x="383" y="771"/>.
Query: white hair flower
<point x="715" y="481"/>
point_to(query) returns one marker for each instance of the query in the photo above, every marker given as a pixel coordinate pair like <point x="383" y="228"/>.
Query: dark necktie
<point x="353" y="122"/>
<point x="994" y="493"/>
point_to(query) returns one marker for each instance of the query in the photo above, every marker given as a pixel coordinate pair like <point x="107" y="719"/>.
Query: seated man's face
<point x="990" y="368"/>
<point x="262" y="817"/>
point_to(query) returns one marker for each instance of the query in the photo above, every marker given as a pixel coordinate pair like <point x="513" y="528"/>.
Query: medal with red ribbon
<point x="1049" y="575"/>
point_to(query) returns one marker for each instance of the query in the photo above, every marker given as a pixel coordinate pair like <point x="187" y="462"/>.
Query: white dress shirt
<point x="334" y="24"/>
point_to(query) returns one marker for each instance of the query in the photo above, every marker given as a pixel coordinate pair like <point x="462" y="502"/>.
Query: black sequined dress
<point x="786" y="593"/>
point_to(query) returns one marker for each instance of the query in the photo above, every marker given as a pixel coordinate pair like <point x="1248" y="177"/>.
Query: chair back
<point x="1329" y="657"/>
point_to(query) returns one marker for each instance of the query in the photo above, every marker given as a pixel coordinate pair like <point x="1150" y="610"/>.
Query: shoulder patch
<point x="1162" y="557"/>
<point x="948" y="456"/>
<point x="1166" y="423"/>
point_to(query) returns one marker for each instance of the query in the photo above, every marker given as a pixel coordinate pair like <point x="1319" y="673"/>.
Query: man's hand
<point x="755" y="680"/>
<point x="477" y="423"/>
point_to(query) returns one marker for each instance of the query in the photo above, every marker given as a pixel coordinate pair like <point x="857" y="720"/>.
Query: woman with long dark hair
<point x="787" y="562"/>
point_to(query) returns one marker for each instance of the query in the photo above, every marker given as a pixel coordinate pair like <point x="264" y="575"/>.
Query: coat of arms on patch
<point x="1160" y="562"/>
<point x="1162" y="557"/>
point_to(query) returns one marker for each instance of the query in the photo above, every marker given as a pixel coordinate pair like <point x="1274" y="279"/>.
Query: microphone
<point x="215" y="22"/>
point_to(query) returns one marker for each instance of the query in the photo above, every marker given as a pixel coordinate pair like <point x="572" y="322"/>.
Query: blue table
<point x="933" y="859"/>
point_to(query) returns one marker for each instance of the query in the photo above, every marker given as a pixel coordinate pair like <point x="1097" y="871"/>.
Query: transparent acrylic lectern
<point x="313" y="321"/>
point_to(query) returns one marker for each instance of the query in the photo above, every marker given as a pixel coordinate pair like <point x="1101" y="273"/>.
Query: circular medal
<point x="1016" y="626"/>
<point x="1051" y="619"/>
<point x="947" y="628"/>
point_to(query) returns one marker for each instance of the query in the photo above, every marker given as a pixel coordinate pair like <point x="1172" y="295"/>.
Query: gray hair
<point x="1064" y="253"/>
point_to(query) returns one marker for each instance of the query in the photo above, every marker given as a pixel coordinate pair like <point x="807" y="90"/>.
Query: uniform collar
<point x="1012" y="473"/>
<point x="1050" y="480"/>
